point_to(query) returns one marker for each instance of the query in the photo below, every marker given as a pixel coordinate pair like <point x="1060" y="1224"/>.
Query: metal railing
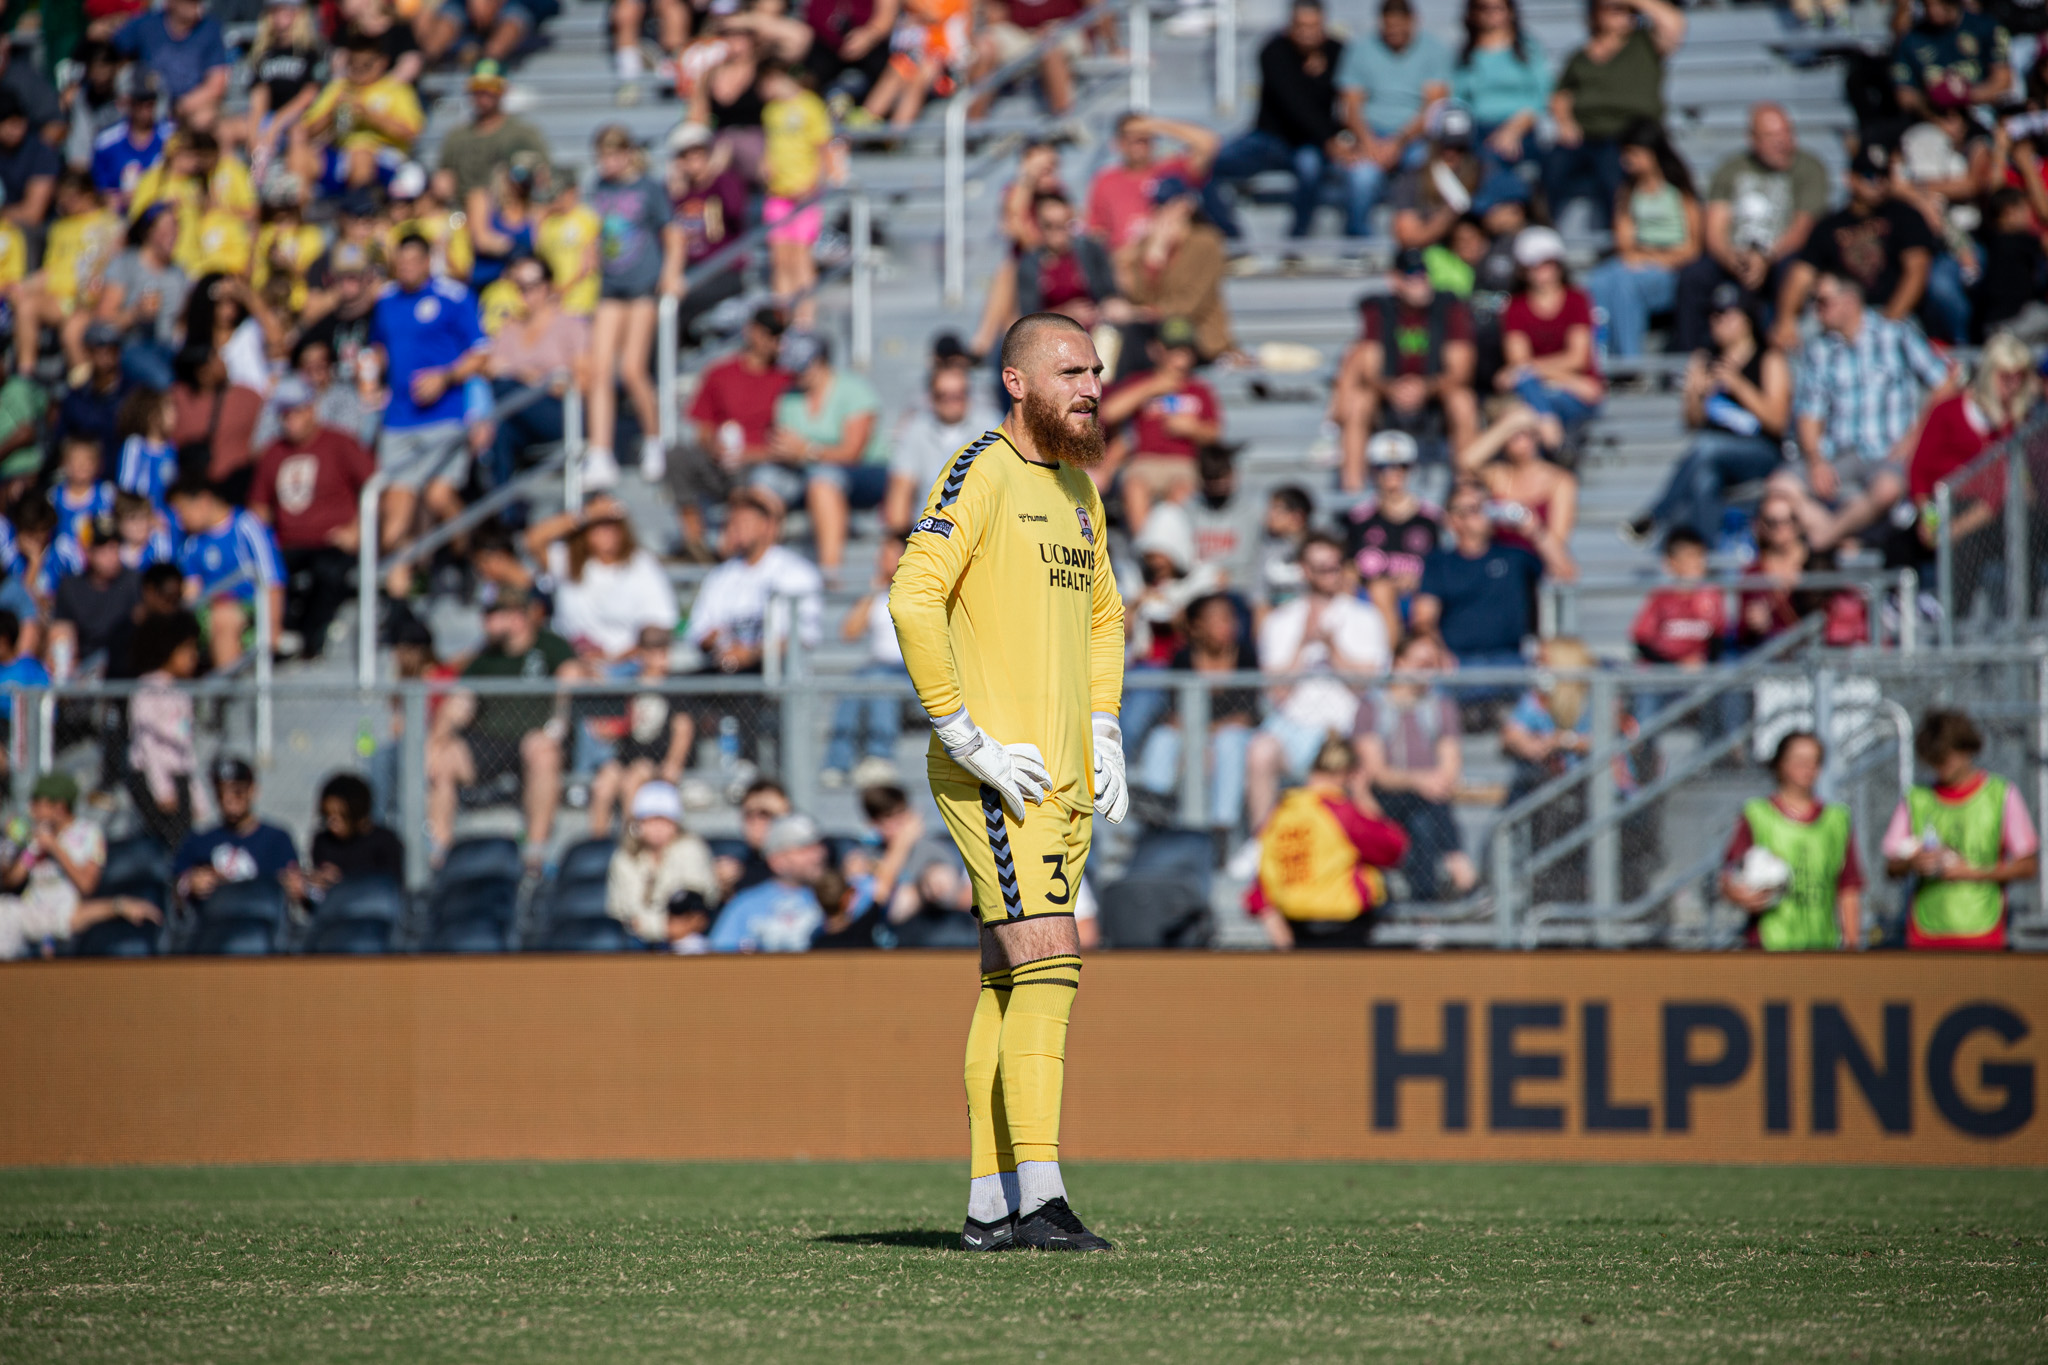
<point x="1984" y="516"/>
<point x="1138" y="15"/>
<point x="369" y="510"/>
<point x="1558" y="603"/>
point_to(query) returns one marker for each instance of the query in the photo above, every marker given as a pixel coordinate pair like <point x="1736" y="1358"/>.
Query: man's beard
<point x="1047" y="427"/>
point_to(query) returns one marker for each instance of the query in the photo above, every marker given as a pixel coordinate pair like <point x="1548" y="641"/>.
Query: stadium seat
<point x="1184" y="854"/>
<point x="585" y="861"/>
<point x="467" y="936"/>
<point x="138" y="867"/>
<point x="576" y="900"/>
<point x="358" y="917"/>
<point x="495" y="856"/>
<point x="589" y="934"/>
<point x="240" y="919"/>
<point x="1154" y="912"/>
<point x="944" y="930"/>
<point x="118" y="938"/>
<point x="494" y="898"/>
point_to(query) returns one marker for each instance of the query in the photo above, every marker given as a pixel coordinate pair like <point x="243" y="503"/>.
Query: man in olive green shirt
<point x="489" y="141"/>
<point x="1761" y="204"/>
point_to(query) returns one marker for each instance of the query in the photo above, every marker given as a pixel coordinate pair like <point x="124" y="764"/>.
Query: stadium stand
<point x="351" y="418"/>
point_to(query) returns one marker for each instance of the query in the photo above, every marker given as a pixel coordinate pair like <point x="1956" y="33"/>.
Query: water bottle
<point x="728" y="744"/>
<point x="1600" y="331"/>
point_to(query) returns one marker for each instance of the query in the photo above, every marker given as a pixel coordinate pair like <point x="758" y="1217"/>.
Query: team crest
<point x="1087" y="526"/>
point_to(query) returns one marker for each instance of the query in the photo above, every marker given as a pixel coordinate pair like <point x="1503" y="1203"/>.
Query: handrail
<point x="962" y="101"/>
<point x="1556" y="604"/>
<point x="2010" y="452"/>
<point x="1598" y="766"/>
<point x="369" y="505"/>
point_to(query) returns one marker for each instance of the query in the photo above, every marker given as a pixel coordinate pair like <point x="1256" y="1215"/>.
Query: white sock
<point x="1037" y="1182"/>
<point x="630" y="64"/>
<point x="991" y="1198"/>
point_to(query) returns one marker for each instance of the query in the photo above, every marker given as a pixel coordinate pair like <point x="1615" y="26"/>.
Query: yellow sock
<point x="1034" y="1053"/>
<point x="988" y="1134"/>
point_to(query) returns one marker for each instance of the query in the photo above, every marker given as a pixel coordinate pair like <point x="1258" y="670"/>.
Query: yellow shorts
<point x="1026" y="871"/>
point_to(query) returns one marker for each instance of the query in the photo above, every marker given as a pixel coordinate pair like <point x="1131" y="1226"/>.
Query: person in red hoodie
<point x="308" y="482"/>
<point x="1321" y="858"/>
<point x="1685" y="624"/>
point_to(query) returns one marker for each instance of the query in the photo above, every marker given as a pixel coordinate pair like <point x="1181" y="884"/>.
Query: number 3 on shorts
<point x="1059" y="874"/>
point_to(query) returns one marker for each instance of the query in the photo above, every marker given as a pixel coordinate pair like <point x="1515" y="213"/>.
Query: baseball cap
<point x="358" y="203"/>
<point x="1536" y="245"/>
<point x="688" y="135"/>
<point x="1168" y="188"/>
<point x="226" y="770"/>
<point x="102" y="334"/>
<point x="102" y="530"/>
<point x="59" y="787"/>
<point x="657" y="801"/>
<point x="1451" y="125"/>
<point x="1409" y="260"/>
<point x="1177" y="334"/>
<point x="1873" y="161"/>
<point x="791" y="832"/>
<point x="508" y="597"/>
<point x="947" y="347"/>
<point x="758" y="499"/>
<point x="1390" y="448"/>
<point x="770" y="319"/>
<point x="348" y="258"/>
<point x="408" y="182"/>
<point x="487" y="75"/>
<point x="1727" y="294"/>
<point x="799" y="351"/>
<point x="1502" y="187"/>
<point x="291" y="392"/>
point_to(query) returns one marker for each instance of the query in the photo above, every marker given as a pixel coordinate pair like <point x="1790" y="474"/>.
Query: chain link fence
<point x="1990" y="538"/>
<point x="1609" y="830"/>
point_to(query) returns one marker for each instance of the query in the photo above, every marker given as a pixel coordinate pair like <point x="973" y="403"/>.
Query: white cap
<point x="409" y="181"/>
<point x="687" y="135"/>
<point x="657" y="801"/>
<point x="1168" y="531"/>
<point x="1390" y="448"/>
<point x="1535" y="245"/>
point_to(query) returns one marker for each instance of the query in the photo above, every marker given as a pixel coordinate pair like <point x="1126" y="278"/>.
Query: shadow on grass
<point x="920" y="1239"/>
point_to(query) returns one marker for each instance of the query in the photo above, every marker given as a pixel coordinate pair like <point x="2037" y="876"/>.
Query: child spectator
<point x="928" y="49"/>
<point x="148" y="463"/>
<point x="798" y="131"/>
<point x="1391" y="533"/>
<point x="1966" y="839"/>
<point x="655" y="743"/>
<point x="1321" y="858"/>
<point x="1289" y="512"/>
<point x="80" y="496"/>
<point x="144" y="533"/>
<point x="1682" y="624"/>
<point x="567" y="239"/>
<point x="227" y="557"/>
<point x="366" y="120"/>
<point x="1407" y="742"/>
<point x="163" y="763"/>
<point x="41" y="558"/>
<point x="655" y="863"/>
<point x="349" y="844"/>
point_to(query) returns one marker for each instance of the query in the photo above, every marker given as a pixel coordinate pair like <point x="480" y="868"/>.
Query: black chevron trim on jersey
<point x="956" y="477"/>
<point x="999" y="845"/>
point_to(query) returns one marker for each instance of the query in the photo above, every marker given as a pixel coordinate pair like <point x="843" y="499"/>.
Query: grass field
<point x="855" y="1263"/>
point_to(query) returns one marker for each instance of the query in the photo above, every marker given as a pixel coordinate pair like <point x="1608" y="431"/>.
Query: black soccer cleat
<point x="1000" y="1235"/>
<point x="1052" y="1226"/>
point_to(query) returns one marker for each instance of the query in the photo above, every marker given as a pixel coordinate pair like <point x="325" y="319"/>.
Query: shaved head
<point x="1027" y="338"/>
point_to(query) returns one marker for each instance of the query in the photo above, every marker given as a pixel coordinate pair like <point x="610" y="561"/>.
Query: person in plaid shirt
<point x="1863" y="383"/>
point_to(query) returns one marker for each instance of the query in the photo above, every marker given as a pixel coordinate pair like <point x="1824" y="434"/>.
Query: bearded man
<point x="1013" y="632"/>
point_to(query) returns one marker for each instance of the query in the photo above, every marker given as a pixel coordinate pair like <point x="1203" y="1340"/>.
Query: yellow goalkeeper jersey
<point x="1005" y="604"/>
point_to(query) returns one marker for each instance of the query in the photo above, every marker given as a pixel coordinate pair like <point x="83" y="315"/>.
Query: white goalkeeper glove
<point x="1016" y="771"/>
<point x="1112" y="788"/>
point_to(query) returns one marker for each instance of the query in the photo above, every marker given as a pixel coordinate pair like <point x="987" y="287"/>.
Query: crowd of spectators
<point x="229" y="311"/>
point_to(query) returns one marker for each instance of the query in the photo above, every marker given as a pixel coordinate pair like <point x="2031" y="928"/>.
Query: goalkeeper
<point x="1013" y="632"/>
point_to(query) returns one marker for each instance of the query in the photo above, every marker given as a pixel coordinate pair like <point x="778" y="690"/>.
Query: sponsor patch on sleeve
<point x="939" y="525"/>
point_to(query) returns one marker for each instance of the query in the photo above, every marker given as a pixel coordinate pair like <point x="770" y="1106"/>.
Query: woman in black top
<point x="1217" y="642"/>
<point x="348" y="844"/>
<point x="286" y="65"/>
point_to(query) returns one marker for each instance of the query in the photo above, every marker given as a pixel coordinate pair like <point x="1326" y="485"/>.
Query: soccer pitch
<point x="856" y="1263"/>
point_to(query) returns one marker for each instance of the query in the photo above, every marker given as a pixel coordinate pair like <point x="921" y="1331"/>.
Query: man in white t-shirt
<point x="929" y="439"/>
<point x="729" y="621"/>
<point x="1328" y="629"/>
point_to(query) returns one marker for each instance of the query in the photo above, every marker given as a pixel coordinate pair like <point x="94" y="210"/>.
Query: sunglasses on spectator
<point x="760" y="813"/>
<point x="1322" y="566"/>
<point x="1772" y="523"/>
